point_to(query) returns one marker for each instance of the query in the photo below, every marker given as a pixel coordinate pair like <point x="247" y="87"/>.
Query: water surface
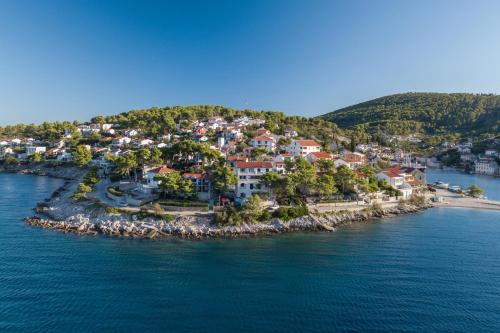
<point x="434" y="271"/>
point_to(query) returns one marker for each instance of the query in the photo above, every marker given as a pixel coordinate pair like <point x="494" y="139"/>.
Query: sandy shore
<point x="451" y="199"/>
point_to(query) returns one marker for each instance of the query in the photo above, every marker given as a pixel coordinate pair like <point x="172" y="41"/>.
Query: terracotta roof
<point x="193" y="175"/>
<point x="162" y="170"/>
<point x="236" y="158"/>
<point x="391" y="174"/>
<point x="262" y="131"/>
<point x="254" y="164"/>
<point x="321" y="154"/>
<point x="309" y="143"/>
<point x="264" y="138"/>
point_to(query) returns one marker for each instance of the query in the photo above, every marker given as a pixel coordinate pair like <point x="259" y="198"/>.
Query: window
<point x="251" y="186"/>
<point x="243" y="177"/>
<point x="242" y="185"/>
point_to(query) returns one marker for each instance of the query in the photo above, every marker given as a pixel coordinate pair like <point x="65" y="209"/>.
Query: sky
<point x="72" y="60"/>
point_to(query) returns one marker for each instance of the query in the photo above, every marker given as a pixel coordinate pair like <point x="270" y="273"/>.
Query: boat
<point x="455" y="188"/>
<point x="442" y="184"/>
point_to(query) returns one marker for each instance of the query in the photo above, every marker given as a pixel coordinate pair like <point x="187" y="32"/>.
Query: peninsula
<point x="211" y="171"/>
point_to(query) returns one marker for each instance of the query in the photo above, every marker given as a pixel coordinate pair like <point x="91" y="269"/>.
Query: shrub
<point x="288" y="213"/>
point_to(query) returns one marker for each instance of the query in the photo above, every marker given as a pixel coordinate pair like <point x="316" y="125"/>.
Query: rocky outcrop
<point x="199" y="227"/>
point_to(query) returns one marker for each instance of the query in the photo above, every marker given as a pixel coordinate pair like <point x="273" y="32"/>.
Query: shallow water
<point x="438" y="270"/>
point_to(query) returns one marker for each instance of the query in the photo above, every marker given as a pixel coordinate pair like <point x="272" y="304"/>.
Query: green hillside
<point x="430" y="113"/>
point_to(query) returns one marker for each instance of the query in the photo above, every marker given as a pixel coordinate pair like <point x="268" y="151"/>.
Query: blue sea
<point x="435" y="271"/>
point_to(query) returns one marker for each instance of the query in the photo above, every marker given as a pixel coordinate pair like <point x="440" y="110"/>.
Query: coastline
<point x="60" y="212"/>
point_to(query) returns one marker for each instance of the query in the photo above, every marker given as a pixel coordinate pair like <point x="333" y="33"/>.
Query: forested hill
<point x="431" y="113"/>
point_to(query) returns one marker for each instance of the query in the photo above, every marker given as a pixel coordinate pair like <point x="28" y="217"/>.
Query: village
<point x="214" y="162"/>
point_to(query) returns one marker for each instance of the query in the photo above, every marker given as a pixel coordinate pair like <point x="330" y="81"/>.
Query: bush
<point x="288" y="213"/>
<point x="229" y="215"/>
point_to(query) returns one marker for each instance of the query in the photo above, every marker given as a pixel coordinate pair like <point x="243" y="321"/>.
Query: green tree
<point x="252" y="209"/>
<point x="222" y="178"/>
<point x="36" y="157"/>
<point x="326" y="185"/>
<point x="475" y="191"/>
<point x="82" y="156"/>
<point x="345" y="178"/>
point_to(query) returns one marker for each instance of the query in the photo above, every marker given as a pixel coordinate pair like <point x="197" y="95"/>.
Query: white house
<point x="248" y="175"/>
<point x="266" y="142"/>
<point x="303" y="147"/>
<point x="491" y="152"/>
<point x="318" y="155"/>
<point x="120" y="141"/>
<point x="31" y="150"/>
<point x="486" y="166"/>
<point x="396" y="180"/>
<point x="151" y="174"/>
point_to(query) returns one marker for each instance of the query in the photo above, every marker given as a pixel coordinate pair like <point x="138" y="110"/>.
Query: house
<point x="248" y="176"/>
<point x="318" y="155"/>
<point x="486" y="166"/>
<point x="351" y="160"/>
<point x="397" y="181"/>
<point x="131" y="132"/>
<point x="31" y="150"/>
<point x="64" y="156"/>
<point x="491" y="152"/>
<point x="143" y="142"/>
<point x="289" y="133"/>
<point x="152" y="173"/>
<point x="262" y="131"/>
<point x="467" y="157"/>
<point x="279" y="162"/>
<point x="266" y="142"/>
<point x="201" y="184"/>
<point x="120" y="141"/>
<point x="232" y="160"/>
<point x="303" y="147"/>
<point x="15" y="142"/>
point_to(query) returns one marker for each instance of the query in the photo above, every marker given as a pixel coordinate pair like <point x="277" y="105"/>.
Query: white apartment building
<point x="303" y="147"/>
<point x="264" y="141"/>
<point x="486" y="166"/>
<point x="31" y="150"/>
<point x="248" y="175"/>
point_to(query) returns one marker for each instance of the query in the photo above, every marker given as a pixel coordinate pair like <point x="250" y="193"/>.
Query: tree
<point x="221" y="177"/>
<point x="125" y="164"/>
<point x="36" y="157"/>
<point x="84" y="188"/>
<point x="82" y="156"/>
<point x="169" y="182"/>
<point x="345" y="177"/>
<point x="156" y="157"/>
<point x="326" y="185"/>
<point x="11" y="160"/>
<point x="475" y="191"/>
<point x="252" y="209"/>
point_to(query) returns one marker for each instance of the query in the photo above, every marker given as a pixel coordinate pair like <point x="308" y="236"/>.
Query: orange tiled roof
<point x="254" y="164"/>
<point x="308" y="143"/>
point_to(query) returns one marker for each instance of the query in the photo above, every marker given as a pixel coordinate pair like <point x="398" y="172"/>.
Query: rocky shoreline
<point x="194" y="227"/>
<point x="60" y="212"/>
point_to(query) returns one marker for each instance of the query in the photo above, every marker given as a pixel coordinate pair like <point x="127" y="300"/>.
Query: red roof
<point x="309" y="143"/>
<point x="193" y="175"/>
<point x="391" y="174"/>
<point x="264" y="138"/>
<point x="262" y="131"/>
<point x="162" y="170"/>
<point x="236" y="158"/>
<point x="321" y="154"/>
<point x="254" y="164"/>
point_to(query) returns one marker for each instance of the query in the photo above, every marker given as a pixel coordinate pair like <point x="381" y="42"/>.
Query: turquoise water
<point x="436" y="271"/>
<point x="489" y="184"/>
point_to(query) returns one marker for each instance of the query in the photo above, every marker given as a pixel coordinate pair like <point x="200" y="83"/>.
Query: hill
<point x="430" y="113"/>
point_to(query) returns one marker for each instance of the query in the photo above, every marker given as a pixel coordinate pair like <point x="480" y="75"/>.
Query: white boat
<point x="442" y="184"/>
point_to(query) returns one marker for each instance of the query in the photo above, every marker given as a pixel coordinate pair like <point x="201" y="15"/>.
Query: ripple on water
<point x="434" y="271"/>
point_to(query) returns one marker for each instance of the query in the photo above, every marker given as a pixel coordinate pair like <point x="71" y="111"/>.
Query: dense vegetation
<point x="429" y="113"/>
<point x="158" y="121"/>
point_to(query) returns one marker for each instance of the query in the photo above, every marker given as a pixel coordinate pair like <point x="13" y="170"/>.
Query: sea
<point x="434" y="271"/>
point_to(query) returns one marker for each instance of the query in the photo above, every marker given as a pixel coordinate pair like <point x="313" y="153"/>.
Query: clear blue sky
<point x="66" y="60"/>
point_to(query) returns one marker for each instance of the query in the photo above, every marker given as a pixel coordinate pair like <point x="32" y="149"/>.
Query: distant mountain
<point x="430" y="113"/>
